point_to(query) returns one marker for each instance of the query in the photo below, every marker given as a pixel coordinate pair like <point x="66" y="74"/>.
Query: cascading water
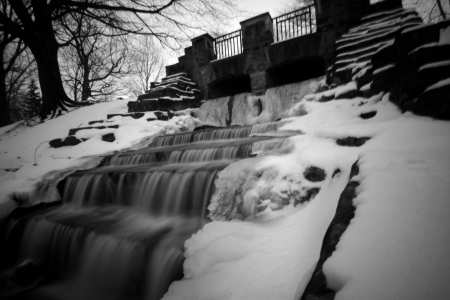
<point x="120" y="230"/>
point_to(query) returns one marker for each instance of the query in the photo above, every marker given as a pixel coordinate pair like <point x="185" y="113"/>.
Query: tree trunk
<point x="5" y="117"/>
<point x="53" y="95"/>
<point x="42" y="42"/>
<point x="86" y="90"/>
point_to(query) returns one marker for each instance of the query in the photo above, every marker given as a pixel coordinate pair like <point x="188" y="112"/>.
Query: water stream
<point x="121" y="228"/>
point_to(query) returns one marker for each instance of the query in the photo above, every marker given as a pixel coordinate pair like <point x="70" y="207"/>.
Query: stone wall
<point x="263" y="59"/>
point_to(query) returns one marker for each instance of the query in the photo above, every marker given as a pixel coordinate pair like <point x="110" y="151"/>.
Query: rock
<point x="110" y="137"/>
<point x="352" y="141"/>
<point x="310" y="195"/>
<point x="161" y="116"/>
<point x="326" y="98"/>
<point x="348" y="95"/>
<point x="26" y="273"/>
<point x="368" y="115"/>
<point x="434" y="102"/>
<point x="75" y="130"/>
<point x="94" y="122"/>
<point x="314" y="174"/>
<point x="329" y="296"/>
<point x="56" y="143"/>
<point x="71" y="141"/>
<point x="137" y="115"/>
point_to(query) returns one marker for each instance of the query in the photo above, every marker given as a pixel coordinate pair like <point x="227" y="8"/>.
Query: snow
<point x="444" y="37"/>
<point x="389" y="13"/>
<point x="435" y="65"/>
<point x="387" y="67"/>
<point x="439" y="84"/>
<point x="366" y="87"/>
<point x="18" y="144"/>
<point x="399" y="233"/>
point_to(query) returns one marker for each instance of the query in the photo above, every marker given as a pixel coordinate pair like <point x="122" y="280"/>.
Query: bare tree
<point x="147" y="63"/>
<point x="15" y="68"/>
<point x="95" y="59"/>
<point x="168" y="20"/>
<point x="430" y="11"/>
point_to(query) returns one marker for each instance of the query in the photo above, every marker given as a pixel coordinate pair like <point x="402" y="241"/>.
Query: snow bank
<point x="19" y="175"/>
<point x="397" y="245"/>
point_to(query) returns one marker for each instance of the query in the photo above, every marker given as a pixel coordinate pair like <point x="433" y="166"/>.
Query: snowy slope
<point x="19" y="175"/>
<point x="397" y="245"/>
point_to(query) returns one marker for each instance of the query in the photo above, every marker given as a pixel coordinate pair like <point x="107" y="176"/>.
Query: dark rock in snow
<point x="310" y="195"/>
<point x="345" y="211"/>
<point x="314" y="174"/>
<point x="110" y="137"/>
<point x="348" y="95"/>
<point x="56" y="143"/>
<point x="352" y="141"/>
<point x="71" y="141"/>
<point x="205" y="127"/>
<point x="161" y="116"/>
<point x="326" y="98"/>
<point x="368" y="115"/>
<point x="94" y="122"/>
<point x="134" y="116"/>
<point x="75" y="130"/>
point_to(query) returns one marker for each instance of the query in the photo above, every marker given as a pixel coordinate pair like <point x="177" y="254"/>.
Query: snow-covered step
<point x="73" y="131"/>
<point x="134" y="115"/>
<point x="374" y="19"/>
<point x="188" y="152"/>
<point x="433" y="100"/>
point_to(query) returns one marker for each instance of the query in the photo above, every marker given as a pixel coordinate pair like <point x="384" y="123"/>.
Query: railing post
<point x="310" y="20"/>
<point x="257" y="36"/>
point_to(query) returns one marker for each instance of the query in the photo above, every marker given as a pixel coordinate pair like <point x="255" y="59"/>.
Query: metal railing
<point x="295" y="23"/>
<point x="229" y="44"/>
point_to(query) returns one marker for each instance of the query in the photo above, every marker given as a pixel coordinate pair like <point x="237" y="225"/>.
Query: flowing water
<point x="121" y="228"/>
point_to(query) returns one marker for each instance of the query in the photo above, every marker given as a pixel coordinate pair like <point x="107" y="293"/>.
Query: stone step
<point x="73" y="131"/>
<point x="434" y="102"/>
<point x="133" y="115"/>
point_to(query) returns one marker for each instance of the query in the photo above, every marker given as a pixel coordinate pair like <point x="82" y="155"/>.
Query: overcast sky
<point x="252" y="8"/>
<point x="262" y="6"/>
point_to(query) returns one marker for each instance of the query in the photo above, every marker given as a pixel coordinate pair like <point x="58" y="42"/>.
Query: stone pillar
<point x="257" y="36"/>
<point x="202" y="54"/>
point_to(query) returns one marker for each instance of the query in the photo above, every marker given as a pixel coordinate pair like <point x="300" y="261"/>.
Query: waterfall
<point x="121" y="228"/>
<point x="204" y="135"/>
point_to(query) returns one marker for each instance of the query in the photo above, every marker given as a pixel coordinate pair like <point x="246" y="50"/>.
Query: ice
<point x="277" y="100"/>
<point x="246" y="108"/>
<point x="271" y="129"/>
<point x="214" y="112"/>
<point x="268" y="146"/>
<point x="249" y="109"/>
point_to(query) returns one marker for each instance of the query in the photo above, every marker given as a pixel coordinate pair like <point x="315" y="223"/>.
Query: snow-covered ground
<point x="397" y="245"/>
<point x="18" y="173"/>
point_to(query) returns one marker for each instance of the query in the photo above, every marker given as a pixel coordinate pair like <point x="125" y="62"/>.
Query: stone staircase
<point x="393" y="51"/>
<point x="175" y="92"/>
